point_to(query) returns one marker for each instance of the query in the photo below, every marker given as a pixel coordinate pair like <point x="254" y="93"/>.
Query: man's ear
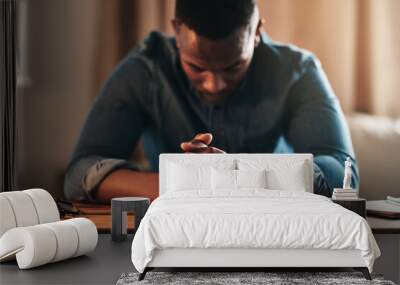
<point x="259" y="28"/>
<point x="176" y="25"/>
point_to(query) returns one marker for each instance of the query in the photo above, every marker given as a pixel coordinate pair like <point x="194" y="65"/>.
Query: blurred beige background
<point x="69" y="47"/>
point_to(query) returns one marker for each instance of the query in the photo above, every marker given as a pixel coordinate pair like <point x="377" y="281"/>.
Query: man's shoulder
<point x="156" y="49"/>
<point x="286" y="56"/>
<point x="155" y="52"/>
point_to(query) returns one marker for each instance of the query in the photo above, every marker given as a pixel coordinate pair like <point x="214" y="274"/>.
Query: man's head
<point x="216" y="40"/>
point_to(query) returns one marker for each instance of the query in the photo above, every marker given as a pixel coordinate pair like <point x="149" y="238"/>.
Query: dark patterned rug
<point x="228" y="278"/>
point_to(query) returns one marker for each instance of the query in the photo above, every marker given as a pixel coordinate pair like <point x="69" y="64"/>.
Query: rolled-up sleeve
<point x="111" y="131"/>
<point x="316" y="124"/>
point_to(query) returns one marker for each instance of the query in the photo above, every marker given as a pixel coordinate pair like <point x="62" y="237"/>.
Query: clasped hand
<point x="200" y="144"/>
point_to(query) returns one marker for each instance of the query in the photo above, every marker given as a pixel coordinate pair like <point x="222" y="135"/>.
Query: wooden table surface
<point x="103" y="222"/>
<point x="384" y="226"/>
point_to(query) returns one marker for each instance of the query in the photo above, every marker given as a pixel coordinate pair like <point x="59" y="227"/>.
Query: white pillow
<point x="251" y="178"/>
<point x="281" y="175"/>
<point x="292" y="179"/>
<point x="182" y="177"/>
<point x="223" y="179"/>
<point x="235" y="179"/>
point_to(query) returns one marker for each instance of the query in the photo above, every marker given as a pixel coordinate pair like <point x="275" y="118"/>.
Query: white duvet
<point x="252" y="218"/>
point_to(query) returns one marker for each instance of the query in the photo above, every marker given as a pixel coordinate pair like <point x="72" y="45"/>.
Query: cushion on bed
<point x="281" y="174"/>
<point x="292" y="179"/>
<point x="252" y="178"/>
<point x="228" y="179"/>
<point x="187" y="174"/>
<point x="183" y="178"/>
<point x="223" y="179"/>
<point x="193" y="172"/>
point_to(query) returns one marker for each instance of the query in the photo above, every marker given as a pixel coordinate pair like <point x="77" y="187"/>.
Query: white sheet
<point x="252" y="218"/>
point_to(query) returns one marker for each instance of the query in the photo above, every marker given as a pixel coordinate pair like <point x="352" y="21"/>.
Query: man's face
<point x="215" y="67"/>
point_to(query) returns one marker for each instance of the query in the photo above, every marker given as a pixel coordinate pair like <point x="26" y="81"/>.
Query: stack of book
<point x="344" y="194"/>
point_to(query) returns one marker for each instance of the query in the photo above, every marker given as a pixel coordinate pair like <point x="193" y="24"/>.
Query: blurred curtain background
<point x="8" y="128"/>
<point x="67" y="49"/>
<point x="357" y="42"/>
<point x="122" y="24"/>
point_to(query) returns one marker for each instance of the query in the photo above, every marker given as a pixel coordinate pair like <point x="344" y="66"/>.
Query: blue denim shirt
<point x="284" y="104"/>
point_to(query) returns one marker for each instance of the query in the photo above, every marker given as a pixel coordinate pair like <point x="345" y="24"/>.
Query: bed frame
<point x="250" y="258"/>
<point x="242" y="259"/>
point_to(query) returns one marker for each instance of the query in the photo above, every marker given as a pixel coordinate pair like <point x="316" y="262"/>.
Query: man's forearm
<point x="125" y="182"/>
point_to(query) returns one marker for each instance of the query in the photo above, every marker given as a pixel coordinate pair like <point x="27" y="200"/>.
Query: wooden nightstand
<point x="387" y="235"/>
<point x="355" y="205"/>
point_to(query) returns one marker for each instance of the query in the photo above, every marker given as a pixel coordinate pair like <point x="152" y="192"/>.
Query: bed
<point x="246" y="211"/>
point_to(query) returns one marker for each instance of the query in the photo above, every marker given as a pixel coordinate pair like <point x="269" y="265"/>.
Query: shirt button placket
<point x="218" y="126"/>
